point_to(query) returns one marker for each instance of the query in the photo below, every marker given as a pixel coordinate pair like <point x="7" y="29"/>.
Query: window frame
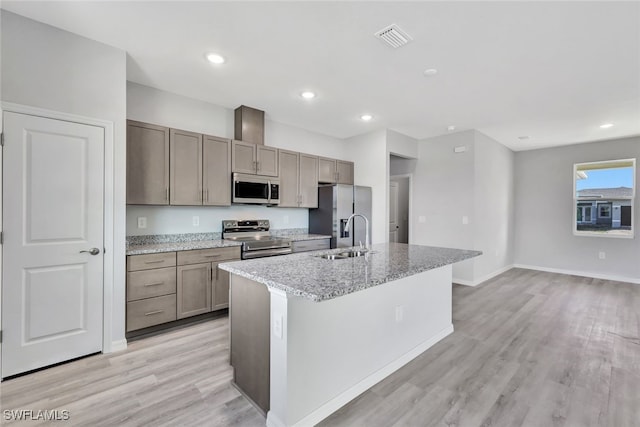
<point x="576" y="200"/>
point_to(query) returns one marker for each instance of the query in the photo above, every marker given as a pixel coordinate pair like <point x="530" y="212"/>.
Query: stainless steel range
<point x="257" y="241"/>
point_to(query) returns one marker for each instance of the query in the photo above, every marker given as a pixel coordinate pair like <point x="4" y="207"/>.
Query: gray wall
<point x="46" y="67"/>
<point x="544" y="213"/>
<point x="476" y="184"/>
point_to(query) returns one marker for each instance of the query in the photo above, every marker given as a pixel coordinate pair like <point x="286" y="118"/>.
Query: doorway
<point x="399" y="187"/>
<point x="54" y="239"/>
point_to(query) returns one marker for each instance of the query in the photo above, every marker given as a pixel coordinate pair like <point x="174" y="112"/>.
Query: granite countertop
<point x="308" y="276"/>
<point x="152" y="244"/>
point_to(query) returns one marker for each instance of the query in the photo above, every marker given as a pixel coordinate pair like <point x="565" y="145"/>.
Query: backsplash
<point x="180" y="219"/>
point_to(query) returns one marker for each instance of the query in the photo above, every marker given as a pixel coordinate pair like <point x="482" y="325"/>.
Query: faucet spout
<point x="366" y="224"/>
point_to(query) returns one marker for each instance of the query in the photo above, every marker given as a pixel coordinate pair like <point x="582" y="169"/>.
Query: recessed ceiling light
<point x="308" y="95"/>
<point x="523" y="137"/>
<point x="451" y="127"/>
<point x="430" y="72"/>
<point x="606" y="126"/>
<point x="366" y="117"/>
<point x="214" y="58"/>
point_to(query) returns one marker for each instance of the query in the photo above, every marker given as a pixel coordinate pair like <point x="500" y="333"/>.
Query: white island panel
<point x="324" y="354"/>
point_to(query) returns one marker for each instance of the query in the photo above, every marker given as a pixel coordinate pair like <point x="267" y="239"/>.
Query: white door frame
<point x="409" y="226"/>
<point x="108" y="279"/>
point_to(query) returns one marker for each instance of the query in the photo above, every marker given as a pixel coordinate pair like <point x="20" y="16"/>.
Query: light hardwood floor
<point x="529" y="349"/>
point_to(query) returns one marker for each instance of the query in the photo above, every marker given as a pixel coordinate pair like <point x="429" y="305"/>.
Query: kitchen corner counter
<point x="154" y="248"/>
<point x="309" y="276"/>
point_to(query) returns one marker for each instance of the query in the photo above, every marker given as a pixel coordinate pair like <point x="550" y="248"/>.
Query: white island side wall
<point x="324" y="354"/>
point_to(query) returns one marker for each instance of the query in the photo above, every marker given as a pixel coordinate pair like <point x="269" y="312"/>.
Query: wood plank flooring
<point x="529" y="349"/>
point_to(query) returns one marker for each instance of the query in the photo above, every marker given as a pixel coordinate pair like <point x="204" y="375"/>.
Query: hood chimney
<point x="249" y="125"/>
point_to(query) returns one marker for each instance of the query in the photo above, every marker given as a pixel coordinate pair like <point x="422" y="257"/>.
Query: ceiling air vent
<point x="393" y="36"/>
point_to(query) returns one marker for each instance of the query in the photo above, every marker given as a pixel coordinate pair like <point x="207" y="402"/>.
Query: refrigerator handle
<point x="343" y="224"/>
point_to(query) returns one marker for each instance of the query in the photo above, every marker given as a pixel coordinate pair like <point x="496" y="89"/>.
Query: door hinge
<point x="0" y="337"/>
<point x="1" y="237"/>
<point x="2" y="139"/>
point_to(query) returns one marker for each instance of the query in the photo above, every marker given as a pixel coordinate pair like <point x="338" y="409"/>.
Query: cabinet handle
<point x="154" y="284"/>
<point x="166" y="194"/>
<point x="154" y="262"/>
<point x="206" y="194"/>
<point x="209" y="273"/>
<point x="217" y="272"/>
<point x="154" y="312"/>
<point x="258" y="166"/>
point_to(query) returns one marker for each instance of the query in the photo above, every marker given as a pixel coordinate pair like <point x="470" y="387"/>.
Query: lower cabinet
<point x="187" y="284"/>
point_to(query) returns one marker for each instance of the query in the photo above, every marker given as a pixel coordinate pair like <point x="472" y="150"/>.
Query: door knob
<point x="92" y="251"/>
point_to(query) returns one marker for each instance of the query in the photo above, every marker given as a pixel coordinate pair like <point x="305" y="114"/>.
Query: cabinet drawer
<point x="311" y="245"/>
<point x="151" y="283"/>
<point x="150" y="311"/>
<point x="208" y="255"/>
<point x="146" y="262"/>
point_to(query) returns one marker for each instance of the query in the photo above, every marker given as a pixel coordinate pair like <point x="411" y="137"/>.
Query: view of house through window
<point x="604" y="195"/>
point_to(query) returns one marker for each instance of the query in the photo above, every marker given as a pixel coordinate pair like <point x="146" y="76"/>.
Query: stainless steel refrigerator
<point x="335" y="204"/>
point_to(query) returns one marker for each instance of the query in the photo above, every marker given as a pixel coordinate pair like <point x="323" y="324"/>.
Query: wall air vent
<point x="393" y="36"/>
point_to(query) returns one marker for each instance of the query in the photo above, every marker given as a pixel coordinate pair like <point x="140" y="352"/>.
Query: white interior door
<point x="52" y="288"/>
<point x="393" y="212"/>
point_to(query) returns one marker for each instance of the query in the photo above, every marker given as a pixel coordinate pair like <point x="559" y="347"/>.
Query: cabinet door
<point x="345" y="172"/>
<point x="185" y="186"/>
<point x="220" y="288"/>
<point x="193" y="290"/>
<point x="267" y="160"/>
<point x="308" y="181"/>
<point x="216" y="171"/>
<point x="326" y="170"/>
<point x="147" y="164"/>
<point x="243" y="157"/>
<point x="288" y="165"/>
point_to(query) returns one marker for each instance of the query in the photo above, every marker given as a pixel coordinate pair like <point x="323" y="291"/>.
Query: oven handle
<point x="267" y="247"/>
<point x="265" y="253"/>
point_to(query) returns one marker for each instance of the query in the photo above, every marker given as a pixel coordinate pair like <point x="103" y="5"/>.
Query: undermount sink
<point x="344" y="255"/>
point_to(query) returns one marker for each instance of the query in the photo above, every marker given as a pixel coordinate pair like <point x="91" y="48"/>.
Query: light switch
<point x="465" y="220"/>
<point x="142" y="222"/>
<point x="422" y="219"/>
<point x="196" y="221"/>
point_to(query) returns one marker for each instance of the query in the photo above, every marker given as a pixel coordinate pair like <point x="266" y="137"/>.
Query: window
<point x="604" y="194"/>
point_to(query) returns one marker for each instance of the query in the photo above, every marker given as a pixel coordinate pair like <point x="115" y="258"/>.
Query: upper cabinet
<point x="171" y="166"/>
<point x="185" y="183"/>
<point x="216" y="171"/>
<point x="147" y="164"/>
<point x="298" y="179"/>
<point x="254" y="159"/>
<point x="332" y="171"/>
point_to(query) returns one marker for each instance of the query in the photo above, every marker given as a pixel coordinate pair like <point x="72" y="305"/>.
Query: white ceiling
<point x="553" y="71"/>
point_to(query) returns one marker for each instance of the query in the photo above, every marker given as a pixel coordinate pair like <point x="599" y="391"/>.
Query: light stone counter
<point x="309" y="276"/>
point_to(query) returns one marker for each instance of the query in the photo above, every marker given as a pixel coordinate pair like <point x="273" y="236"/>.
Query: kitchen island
<point x="309" y="334"/>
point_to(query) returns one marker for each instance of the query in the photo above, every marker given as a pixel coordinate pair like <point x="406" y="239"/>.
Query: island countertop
<point x="309" y="276"/>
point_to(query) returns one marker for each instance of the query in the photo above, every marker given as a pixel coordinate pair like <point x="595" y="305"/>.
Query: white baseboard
<point x="482" y="279"/>
<point x="117" y="346"/>
<point x="580" y="273"/>
<point x="342" y="399"/>
<point x="273" y="421"/>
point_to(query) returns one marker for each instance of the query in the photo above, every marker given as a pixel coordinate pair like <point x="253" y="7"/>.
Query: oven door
<point x="250" y="189"/>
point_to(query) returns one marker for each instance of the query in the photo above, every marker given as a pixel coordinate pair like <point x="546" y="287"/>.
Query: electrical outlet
<point x="602" y="255"/>
<point x="285" y="219"/>
<point x="277" y="325"/>
<point x="422" y="219"/>
<point x="465" y="220"/>
<point x="142" y="222"/>
<point x="399" y="314"/>
<point x="196" y="221"/>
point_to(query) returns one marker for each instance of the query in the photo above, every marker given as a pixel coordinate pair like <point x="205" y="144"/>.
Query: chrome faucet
<point x="366" y="224"/>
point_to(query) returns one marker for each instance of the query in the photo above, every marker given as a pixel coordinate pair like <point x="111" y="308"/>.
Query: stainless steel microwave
<point x="255" y="189"/>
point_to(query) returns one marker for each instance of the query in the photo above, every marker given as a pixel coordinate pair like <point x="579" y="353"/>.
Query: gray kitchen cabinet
<point x="308" y="181"/>
<point x="311" y="245"/>
<point x="332" y="171"/>
<point x="288" y="166"/>
<point x="254" y="159"/>
<point x="344" y="172"/>
<point x="193" y="290"/>
<point x="151" y="290"/>
<point x="147" y="164"/>
<point x="219" y="288"/>
<point x="185" y="183"/>
<point x="326" y="170"/>
<point x="216" y="171"/>
<point x="298" y="174"/>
